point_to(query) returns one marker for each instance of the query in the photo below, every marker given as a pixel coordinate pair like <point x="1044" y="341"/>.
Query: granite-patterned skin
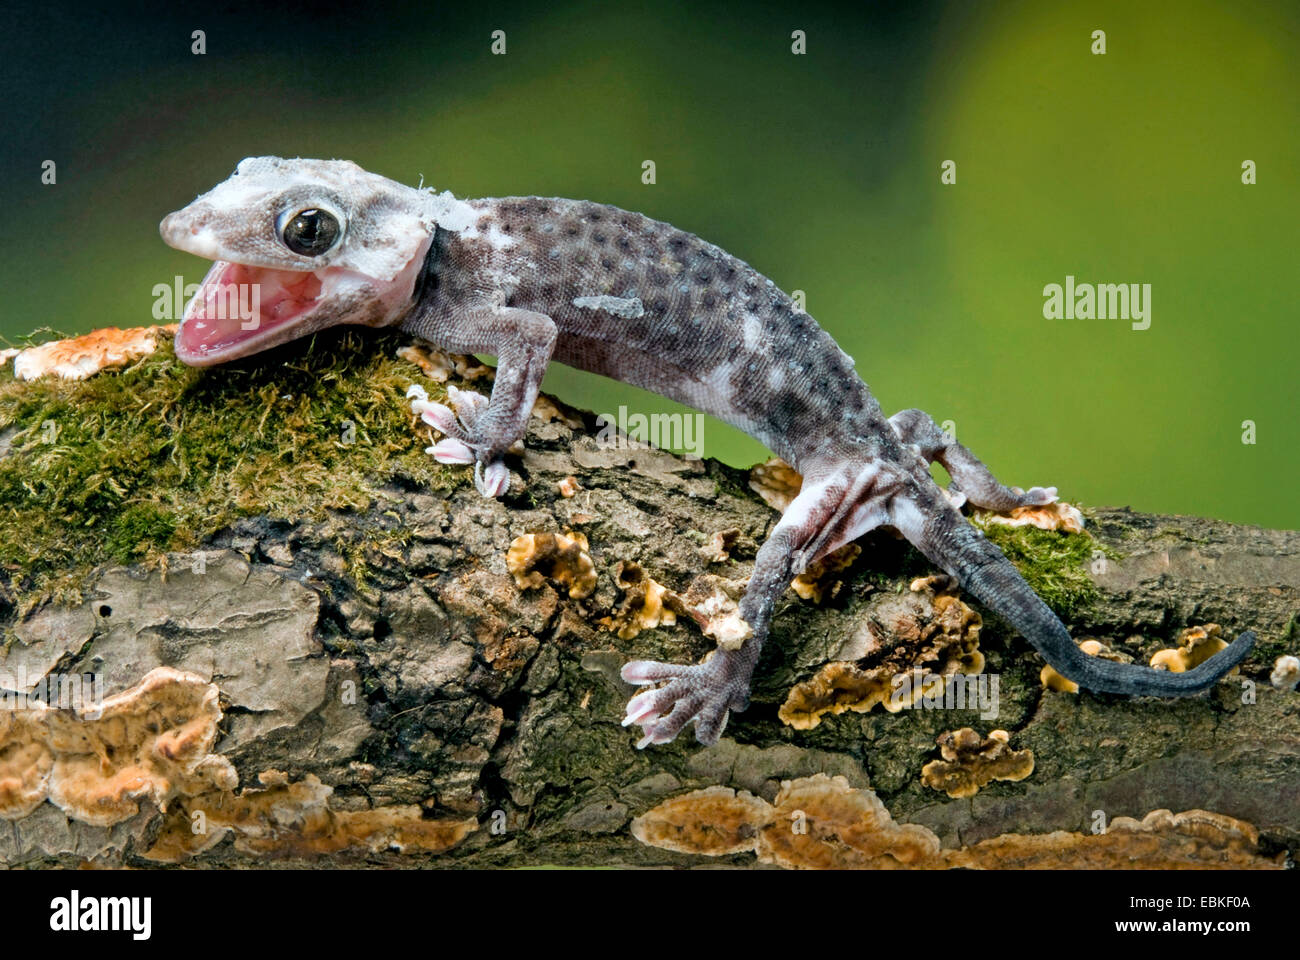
<point x="531" y="280"/>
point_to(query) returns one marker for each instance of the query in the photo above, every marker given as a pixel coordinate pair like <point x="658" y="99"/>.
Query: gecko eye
<point x="310" y="232"/>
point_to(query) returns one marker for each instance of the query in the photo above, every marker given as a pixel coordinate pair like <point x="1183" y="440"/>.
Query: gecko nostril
<point x="168" y="226"/>
<point x="179" y="228"/>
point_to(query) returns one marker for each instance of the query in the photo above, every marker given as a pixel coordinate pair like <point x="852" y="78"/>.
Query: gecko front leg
<point x="481" y="430"/>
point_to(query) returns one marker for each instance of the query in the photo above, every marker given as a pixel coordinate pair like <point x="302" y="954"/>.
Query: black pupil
<point x="311" y="232"/>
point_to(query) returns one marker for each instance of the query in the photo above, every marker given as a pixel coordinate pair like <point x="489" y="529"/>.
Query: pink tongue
<point x="237" y="302"/>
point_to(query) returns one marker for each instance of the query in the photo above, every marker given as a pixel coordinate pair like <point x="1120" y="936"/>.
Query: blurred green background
<point x="822" y="170"/>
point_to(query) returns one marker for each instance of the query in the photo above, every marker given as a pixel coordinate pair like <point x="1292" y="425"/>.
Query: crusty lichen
<point x="715" y="821"/>
<point x="776" y="482"/>
<point x="823" y="823"/>
<point x="1057" y="515"/>
<point x="441" y="367"/>
<point x="816" y="823"/>
<point x="1162" y="840"/>
<point x="548" y="409"/>
<point x="1285" y="673"/>
<point x="713" y="602"/>
<point x="151" y="742"/>
<point x="719" y="545"/>
<point x="929" y="629"/>
<point x="535" y="558"/>
<point x="284" y="819"/>
<point x="971" y="761"/>
<point x="824" y="575"/>
<point x="835" y="688"/>
<point x="126" y="465"/>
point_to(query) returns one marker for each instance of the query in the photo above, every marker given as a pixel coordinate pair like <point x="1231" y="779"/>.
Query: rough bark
<point x="494" y="711"/>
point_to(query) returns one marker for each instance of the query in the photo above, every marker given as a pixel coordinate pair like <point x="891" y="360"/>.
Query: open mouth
<point x="238" y="306"/>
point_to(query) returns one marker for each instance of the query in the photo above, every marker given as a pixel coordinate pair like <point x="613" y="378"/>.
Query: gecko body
<point x="532" y="280"/>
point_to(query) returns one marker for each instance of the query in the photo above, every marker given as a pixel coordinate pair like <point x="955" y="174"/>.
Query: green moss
<point x="1052" y="562"/>
<point x="138" y="526"/>
<point x="1268" y="649"/>
<point x="359" y="555"/>
<point x="158" y="456"/>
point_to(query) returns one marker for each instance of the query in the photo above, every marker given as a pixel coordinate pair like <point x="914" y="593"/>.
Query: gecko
<point x="532" y="280"/>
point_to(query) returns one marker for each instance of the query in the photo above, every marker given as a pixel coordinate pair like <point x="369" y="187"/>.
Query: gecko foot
<point x="458" y="428"/>
<point x="1036" y="496"/>
<point x="470" y="406"/>
<point x="704" y="693"/>
<point x="458" y="425"/>
<point x="491" y="481"/>
<point x="450" y="450"/>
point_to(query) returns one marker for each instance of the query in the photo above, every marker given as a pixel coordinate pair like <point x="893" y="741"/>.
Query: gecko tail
<point x="985" y="572"/>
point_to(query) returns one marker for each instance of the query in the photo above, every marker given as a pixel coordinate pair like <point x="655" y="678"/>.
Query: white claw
<point x="468" y="403"/>
<point x="639" y="707"/>
<point x="493" y="481"/>
<point x="437" y="415"/>
<point x="451" y="450"/>
<point x="417" y="391"/>
<point x="641" y="672"/>
<point x="1045" y="495"/>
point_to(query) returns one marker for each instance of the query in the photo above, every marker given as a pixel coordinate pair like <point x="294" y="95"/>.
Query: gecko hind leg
<point x="970" y="477"/>
<point x="824" y="513"/>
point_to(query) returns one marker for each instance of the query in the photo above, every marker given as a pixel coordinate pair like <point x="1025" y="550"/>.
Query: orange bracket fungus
<point x="80" y="357"/>
<point x="535" y="558"/>
<point x="928" y="629"/>
<point x="646" y="603"/>
<point x="969" y="762"/>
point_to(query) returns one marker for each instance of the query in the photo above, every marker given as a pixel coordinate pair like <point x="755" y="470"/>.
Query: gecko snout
<point x="189" y="229"/>
<point x="172" y="226"/>
<point x="180" y="222"/>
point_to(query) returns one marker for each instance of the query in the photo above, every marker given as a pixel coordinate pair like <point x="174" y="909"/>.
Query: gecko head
<point x="299" y="245"/>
